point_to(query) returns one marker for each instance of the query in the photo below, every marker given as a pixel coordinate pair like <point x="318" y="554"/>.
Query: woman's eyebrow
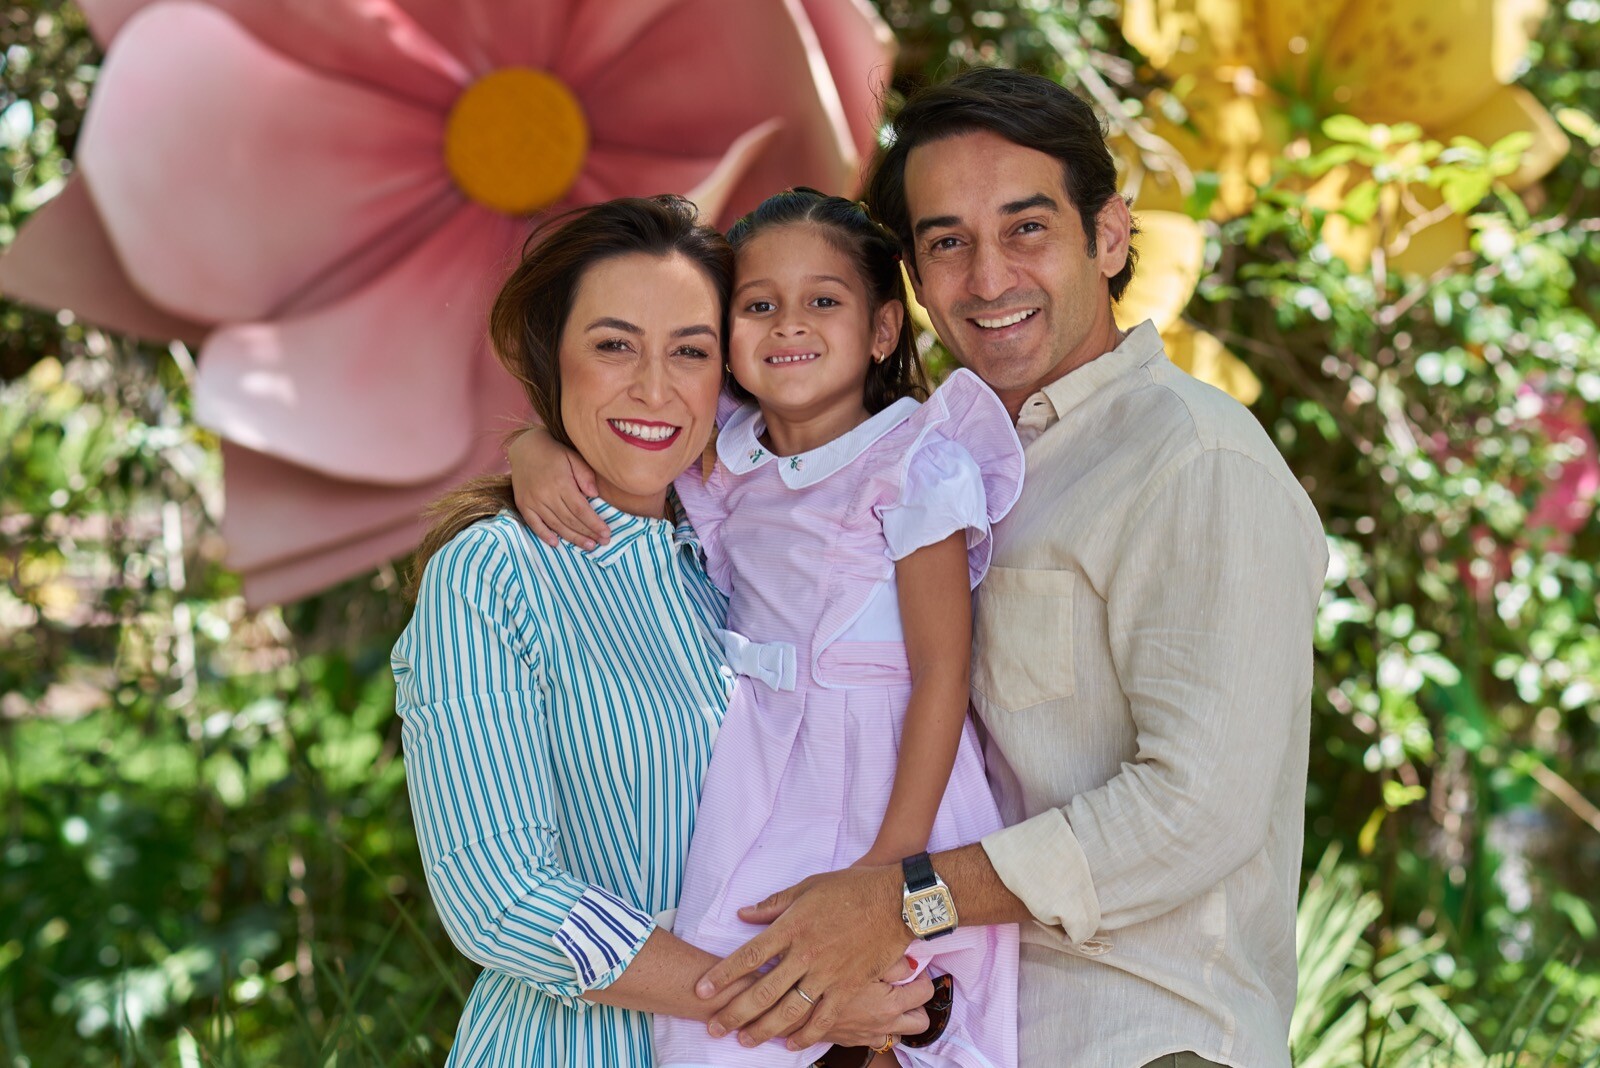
<point x="695" y="330"/>
<point x="608" y="323"/>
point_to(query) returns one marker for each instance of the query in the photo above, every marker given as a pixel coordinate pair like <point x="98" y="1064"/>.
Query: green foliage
<point x="208" y="857"/>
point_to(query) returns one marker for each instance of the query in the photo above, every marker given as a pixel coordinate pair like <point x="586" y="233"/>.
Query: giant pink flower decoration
<point x="326" y="194"/>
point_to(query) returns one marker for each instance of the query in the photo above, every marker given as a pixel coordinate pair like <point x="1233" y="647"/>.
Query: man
<point x="1142" y="667"/>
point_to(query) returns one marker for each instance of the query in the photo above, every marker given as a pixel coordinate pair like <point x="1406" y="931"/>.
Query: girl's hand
<point x="552" y="486"/>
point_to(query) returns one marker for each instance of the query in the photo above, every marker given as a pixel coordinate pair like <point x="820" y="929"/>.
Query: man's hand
<point x="832" y="935"/>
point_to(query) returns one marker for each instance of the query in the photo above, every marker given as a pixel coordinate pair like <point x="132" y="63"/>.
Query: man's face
<point x="1002" y="263"/>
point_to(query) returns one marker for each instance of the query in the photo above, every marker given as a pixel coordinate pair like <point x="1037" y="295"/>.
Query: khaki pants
<point x="1182" y="1060"/>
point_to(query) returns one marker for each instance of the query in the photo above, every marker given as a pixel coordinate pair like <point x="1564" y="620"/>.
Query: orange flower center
<point x="515" y="140"/>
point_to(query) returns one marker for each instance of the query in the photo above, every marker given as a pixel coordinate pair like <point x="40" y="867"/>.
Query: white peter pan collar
<point x="740" y="449"/>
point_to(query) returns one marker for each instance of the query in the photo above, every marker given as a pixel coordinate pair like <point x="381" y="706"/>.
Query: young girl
<point x="848" y="523"/>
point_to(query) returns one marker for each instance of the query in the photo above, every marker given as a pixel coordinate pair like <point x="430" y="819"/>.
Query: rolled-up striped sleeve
<point x="468" y="677"/>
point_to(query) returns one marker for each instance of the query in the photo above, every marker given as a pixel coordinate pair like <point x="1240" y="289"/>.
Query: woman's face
<point x="641" y="367"/>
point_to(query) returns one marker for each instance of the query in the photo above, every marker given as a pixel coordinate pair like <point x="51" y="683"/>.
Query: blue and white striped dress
<point x="559" y="709"/>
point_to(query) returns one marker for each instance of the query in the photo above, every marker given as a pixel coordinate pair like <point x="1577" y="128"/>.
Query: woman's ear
<point x="886" y="327"/>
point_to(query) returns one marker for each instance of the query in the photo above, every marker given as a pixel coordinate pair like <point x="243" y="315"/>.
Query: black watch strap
<point x="918" y="870"/>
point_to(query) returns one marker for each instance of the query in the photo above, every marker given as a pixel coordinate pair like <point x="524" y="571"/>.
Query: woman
<point x="559" y="706"/>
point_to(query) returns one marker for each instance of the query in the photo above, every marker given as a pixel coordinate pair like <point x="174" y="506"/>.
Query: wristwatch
<point x="927" y="906"/>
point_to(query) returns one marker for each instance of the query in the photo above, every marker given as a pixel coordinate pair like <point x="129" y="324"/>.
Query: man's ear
<point x="886" y="330"/>
<point x="1113" y="230"/>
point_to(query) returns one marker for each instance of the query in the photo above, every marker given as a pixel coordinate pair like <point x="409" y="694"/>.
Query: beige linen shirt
<point x="1142" y="672"/>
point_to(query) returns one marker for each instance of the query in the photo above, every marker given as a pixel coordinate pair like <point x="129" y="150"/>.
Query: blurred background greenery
<point x="207" y="854"/>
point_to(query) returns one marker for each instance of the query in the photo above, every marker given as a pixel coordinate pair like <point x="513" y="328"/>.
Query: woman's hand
<point x="835" y="935"/>
<point x="552" y="486"/>
<point x="883" y="1009"/>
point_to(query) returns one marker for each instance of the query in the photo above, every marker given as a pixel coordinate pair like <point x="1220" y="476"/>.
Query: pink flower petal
<point x="303" y="576"/>
<point x="713" y="195"/>
<point x="293" y="532"/>
<point x="63" y="259"/>
<point x="860" y="50"/>
<point x="488" y="34"/>
<point x="107" y="17"/>
<point x="373" y="42"/>
<point x="625" y="172"/>
<point x="711" y="82"/>
<point x="378" y="387"/>
<point x="230" y="177"/>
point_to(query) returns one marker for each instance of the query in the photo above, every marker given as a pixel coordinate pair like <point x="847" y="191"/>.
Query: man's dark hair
<point x="1026" y="109"/>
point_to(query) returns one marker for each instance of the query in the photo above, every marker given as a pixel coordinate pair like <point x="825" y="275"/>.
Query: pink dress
<point x="801" y="772"/>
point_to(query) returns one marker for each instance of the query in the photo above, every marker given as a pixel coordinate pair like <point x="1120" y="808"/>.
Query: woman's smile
<point x="645" y="433"/>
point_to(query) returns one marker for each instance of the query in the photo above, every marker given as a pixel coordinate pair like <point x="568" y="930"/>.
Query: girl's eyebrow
<point x="810" y="278"/>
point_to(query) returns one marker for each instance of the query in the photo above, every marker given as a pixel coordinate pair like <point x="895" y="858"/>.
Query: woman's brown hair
<point x="530" y="315"/>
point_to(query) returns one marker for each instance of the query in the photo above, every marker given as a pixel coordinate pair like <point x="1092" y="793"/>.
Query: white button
<point x="725" y="671"/>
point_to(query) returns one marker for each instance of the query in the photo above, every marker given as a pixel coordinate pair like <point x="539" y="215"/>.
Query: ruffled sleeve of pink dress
<point x="963" y="472"/>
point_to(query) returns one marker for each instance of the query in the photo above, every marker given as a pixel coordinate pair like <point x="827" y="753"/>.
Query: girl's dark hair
<point x="876" y="254"/>
<point x="530" y="315"/>
<point x="1026" y="109"/>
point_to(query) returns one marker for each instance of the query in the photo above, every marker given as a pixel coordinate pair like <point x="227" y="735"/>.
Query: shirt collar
<point x="740" y="450"/>
<point x="627" y="528"/>
<point x="1138" y="347"/>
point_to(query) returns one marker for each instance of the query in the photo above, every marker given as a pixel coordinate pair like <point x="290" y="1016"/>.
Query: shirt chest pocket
<point x="1024" y="635"/>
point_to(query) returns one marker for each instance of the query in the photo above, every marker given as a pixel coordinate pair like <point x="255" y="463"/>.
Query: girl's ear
<point x="886" y="327"/>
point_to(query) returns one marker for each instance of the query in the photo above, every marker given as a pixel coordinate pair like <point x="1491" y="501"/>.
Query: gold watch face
<point x="930" y="911"/>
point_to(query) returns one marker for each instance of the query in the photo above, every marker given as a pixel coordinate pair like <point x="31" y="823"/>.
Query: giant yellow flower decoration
<point x="1253" y="75"/>
<point x="1171" y="258"/>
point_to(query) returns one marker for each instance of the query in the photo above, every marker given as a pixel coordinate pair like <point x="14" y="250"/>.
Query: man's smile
<point x="1000" y="322"/>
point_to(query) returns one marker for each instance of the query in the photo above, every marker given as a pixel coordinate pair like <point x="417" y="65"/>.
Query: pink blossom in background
<point x="1564" y="502"/>
<point x="325" y="194"/>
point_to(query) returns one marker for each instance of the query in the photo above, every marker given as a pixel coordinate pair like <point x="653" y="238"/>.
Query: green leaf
<point x="1361" y="203"/>
<point x="1347" y="128"/>
<point x="1576" y="910"/>
<point x="1579" y="124"/>
<point x="1463" y="189"/>
<point x="1398" y="795"/>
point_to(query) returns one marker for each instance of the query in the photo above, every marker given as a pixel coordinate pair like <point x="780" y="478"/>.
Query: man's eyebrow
<point x="936" y="222"/>
<point x="614" y="324"/>
<point x="1038" y="200"/>
<point x="695" y="330"/>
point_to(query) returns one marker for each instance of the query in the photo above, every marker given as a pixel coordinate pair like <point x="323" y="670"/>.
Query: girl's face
<point x="640" y="374"/>
<point x="803" y="329"/>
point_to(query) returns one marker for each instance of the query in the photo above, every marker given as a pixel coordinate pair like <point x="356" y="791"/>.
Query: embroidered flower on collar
<point x="755" y="455"/>
<point x="796" y="463"/>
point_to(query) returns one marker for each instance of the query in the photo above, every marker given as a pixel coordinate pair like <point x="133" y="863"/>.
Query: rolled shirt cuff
<point x="600" y="936"/>
<point x="1041" y="862"/>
